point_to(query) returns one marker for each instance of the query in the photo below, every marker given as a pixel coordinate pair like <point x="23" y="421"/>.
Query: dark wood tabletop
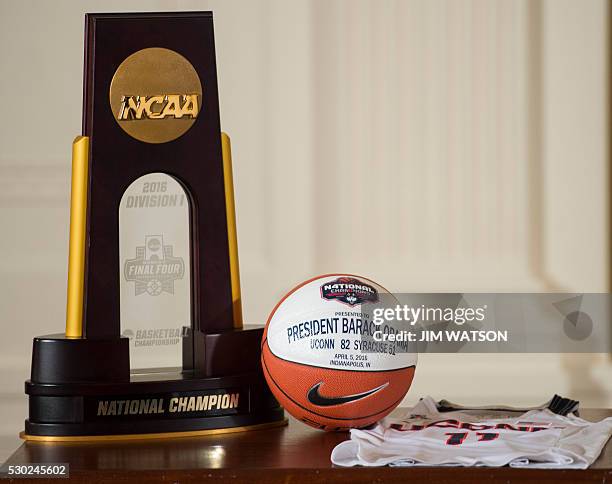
<point x="295" y="453"/>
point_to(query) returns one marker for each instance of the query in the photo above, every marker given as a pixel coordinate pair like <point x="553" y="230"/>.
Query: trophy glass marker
<point x="154" y="343"/>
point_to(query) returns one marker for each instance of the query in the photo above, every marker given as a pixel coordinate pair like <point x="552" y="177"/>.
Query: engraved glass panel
<point x="154" y="252"/>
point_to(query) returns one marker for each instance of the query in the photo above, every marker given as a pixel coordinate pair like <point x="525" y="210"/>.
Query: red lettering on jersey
<point x="456" y="424"/>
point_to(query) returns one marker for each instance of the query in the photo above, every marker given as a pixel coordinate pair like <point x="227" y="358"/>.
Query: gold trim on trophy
<point x="161" y="435"/>
<point x="78" y="223"/>
<point x="230" y="209"/>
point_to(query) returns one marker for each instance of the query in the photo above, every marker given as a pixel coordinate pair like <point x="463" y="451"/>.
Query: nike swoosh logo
<point x="316" y="398"/>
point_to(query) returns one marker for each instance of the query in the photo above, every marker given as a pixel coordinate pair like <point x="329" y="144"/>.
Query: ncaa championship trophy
<point x="154" y="342"/>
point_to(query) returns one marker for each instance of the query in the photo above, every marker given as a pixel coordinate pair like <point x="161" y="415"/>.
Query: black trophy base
<point x="83" y="390"/>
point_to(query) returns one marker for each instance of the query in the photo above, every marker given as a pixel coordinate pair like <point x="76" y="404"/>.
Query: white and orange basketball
<point x="318" y="363"/>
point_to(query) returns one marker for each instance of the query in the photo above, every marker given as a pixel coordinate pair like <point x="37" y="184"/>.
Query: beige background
<point x="455" y="145"/>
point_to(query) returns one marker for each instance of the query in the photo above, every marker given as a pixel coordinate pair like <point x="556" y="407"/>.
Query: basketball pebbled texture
<point x="305" y="380"/>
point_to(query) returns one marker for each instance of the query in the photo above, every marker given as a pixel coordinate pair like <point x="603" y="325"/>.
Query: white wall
<point x="431" y="145"/>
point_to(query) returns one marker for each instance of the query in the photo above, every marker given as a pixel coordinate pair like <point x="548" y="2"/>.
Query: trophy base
<point x="82" y="389"/>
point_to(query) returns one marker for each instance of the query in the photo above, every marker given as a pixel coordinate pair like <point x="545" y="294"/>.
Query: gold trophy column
<point x="232" y="237"/>
<point x="76" y="251"/>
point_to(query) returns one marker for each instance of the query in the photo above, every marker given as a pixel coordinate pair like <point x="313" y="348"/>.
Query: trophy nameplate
<point x="154" y="341"/>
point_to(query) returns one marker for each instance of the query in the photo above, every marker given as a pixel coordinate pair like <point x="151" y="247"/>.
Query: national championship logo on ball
<point x="349" y="290"/>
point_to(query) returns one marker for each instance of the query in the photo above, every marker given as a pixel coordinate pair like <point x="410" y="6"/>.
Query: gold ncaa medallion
<point x="155" y="95"/>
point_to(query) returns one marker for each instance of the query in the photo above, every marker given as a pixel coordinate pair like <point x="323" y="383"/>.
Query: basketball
<point x="320" y="360"/>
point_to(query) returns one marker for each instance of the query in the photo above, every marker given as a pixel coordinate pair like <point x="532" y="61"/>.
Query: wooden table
<point x="295" y="453"/>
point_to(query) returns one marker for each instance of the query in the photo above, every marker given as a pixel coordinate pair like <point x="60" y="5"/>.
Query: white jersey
<point x="427" y="436"/>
